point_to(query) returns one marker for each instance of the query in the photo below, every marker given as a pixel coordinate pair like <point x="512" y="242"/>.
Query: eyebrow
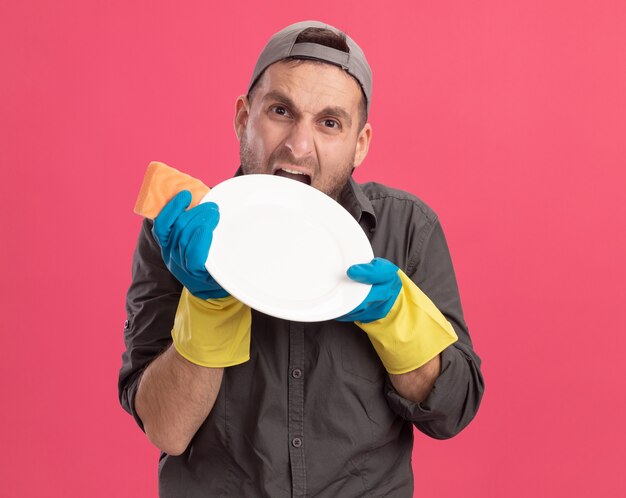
<point x="336" y="111"/>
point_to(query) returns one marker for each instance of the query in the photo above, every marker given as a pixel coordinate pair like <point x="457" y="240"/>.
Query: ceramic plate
<point x="283" y="248"/>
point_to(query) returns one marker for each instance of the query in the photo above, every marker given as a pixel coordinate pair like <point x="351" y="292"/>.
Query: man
<point x="246" y="405"/>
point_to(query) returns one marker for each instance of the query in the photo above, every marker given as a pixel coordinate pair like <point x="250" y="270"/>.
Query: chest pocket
<point x="358" y="356"/>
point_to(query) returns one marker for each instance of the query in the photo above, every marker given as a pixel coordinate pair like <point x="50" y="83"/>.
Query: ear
<point x="362" y="144"/>
<point x="242" y="112"/>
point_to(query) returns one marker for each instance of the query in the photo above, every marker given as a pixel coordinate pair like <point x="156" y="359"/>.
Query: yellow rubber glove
<point x="212" y="332"/>
<point x="412" y="333"/>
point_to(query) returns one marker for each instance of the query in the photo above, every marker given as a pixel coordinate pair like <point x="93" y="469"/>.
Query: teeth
<point x="293" y="172"/>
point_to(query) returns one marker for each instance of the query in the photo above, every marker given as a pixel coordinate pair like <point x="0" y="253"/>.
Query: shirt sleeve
<point x="456" y="395"/>
<point x="151" y="304"/>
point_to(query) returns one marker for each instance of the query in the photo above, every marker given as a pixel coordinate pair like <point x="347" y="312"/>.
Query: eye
<point x="280" y="110"/>
<point x="331" y="123"/>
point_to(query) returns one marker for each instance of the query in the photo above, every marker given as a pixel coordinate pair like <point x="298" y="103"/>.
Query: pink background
<point x="507" y="117"/>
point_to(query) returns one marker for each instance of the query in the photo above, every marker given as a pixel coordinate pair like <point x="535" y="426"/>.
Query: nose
<point x="300" y="139"/>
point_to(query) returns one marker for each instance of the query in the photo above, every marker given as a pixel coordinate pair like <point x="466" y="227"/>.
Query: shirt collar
<point x="354" y="200"/>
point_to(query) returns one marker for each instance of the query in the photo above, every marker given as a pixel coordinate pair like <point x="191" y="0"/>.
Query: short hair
<point x="328" y="38"/>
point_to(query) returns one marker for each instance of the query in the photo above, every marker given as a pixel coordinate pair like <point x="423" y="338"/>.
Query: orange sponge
<point x="160" y="184"/>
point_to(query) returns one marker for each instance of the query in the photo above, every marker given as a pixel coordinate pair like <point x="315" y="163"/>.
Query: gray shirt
<point x="312" y="413"/>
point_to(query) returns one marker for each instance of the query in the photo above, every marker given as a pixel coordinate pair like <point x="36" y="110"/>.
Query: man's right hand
<point x="211" y="328"/>
<point x="185" y="239"/>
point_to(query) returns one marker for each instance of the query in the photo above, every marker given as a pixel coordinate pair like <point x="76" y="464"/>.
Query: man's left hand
<point x="382" y="275"/>
<point x="405" y="327"/>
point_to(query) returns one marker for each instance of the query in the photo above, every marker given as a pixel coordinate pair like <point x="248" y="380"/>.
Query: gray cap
<point x="283" y="45"/>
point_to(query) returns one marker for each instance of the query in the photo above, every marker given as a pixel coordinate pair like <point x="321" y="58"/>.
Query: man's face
<point x="303" y="123"/>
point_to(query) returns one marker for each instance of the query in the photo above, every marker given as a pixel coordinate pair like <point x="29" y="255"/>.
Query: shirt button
<point x="296" y="373"/>
<point x="126" y="323"/>
<point x="297" y="442"/>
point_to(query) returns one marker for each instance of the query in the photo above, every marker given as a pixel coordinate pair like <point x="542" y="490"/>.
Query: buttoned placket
<point x="296" y="409"/>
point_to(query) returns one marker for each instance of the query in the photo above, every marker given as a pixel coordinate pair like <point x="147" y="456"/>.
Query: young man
<point x="246" y="405"/>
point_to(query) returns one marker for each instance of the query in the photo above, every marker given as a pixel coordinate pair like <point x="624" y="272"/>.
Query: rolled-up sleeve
<point x="151" y="304"/>
<point x="456" y="395"/>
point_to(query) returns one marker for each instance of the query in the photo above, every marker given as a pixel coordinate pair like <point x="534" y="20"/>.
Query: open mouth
<point x="293" y="175"/>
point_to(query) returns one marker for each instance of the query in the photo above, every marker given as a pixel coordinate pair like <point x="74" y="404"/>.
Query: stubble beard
<point x="252" y="165"/>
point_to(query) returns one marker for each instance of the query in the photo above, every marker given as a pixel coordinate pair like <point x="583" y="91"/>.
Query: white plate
<point x="283" y="248"/>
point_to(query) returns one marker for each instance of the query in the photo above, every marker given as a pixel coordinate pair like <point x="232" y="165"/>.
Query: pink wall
<point x="508" y="118"/>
